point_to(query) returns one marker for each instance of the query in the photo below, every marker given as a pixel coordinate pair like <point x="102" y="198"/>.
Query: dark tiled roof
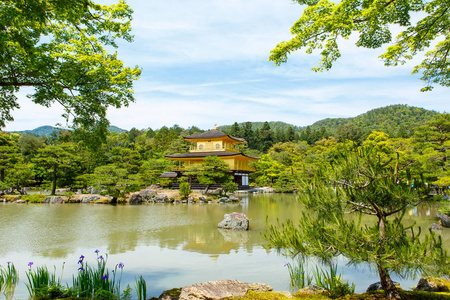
<point x="205" y="154"/>
<point x="213" y="133"/>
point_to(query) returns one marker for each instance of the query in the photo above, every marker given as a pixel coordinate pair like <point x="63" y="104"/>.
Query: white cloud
<point x="206" y="62"/>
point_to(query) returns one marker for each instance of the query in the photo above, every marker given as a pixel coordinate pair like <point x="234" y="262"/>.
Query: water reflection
<point x="174" y="245"/>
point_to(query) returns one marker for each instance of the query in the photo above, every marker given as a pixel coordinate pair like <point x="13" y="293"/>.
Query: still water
<point x="169" y="245"/>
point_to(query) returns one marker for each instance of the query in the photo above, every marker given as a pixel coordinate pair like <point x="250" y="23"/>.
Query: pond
<point x="170" y="245"/>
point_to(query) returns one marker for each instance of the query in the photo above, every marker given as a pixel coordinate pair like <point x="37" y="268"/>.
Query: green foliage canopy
<point x="323" y="22"/>
<point x="361" y="181"/>
<point x="60" y="48"/>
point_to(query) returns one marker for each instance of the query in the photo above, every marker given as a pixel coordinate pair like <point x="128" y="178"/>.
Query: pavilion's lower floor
<point x="239" y="177"/>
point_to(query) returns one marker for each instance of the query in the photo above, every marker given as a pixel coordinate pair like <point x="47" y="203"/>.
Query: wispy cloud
<point x="206" y="62"/>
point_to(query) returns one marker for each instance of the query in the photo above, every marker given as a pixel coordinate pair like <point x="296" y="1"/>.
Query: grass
<point x="43" y="284"/>
<point x="141" y="288"/>
<point x="378" y="295"/>
<point x="9" y="278"/>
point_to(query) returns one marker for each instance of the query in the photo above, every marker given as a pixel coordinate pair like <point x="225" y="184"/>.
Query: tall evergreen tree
<point x="266" y="137"/>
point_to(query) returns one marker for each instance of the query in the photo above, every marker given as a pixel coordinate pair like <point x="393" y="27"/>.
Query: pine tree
<point x="360" y="181"/>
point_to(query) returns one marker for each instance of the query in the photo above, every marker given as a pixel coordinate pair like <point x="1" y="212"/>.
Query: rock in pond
<point x="377" y="286"/>
<point x="135" y="198"/>
<point x="147" y="194"/>
<point x="235" y="221"/>
<point x="233" y="198"/>
<point x="445" y="220"/>
<point x="435" y="227"/>
<point x="432" y="284"/>
<point x="214" y="290"/>
<point x="313" y="289"/>
<point x="53" y="200"/>
<point x="91" y="198"/>
<point x="224" y="200"/>
<point x="161" y="198"/>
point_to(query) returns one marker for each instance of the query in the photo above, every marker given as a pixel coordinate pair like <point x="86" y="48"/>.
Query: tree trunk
<point x="54" y="181"/>
<point x="385" y="279"/>
<point x="386" y="282"/>
<point x="206" y="190"/>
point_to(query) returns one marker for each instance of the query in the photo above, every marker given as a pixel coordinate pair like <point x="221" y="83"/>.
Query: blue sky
<point x="206" y="62"/>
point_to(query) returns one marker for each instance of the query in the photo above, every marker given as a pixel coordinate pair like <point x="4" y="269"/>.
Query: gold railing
<point x="212" y="148"/>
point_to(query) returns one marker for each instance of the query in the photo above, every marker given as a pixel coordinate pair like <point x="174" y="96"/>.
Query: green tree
<point x="29" y="145"/>
<point x="229" y="187"/>
<point x="20" y="175"/>
<point x="235" y="130"/>
<point x="151" y="169"/>
<point x="59" y="48"/>
<point x="266" y="137"/>
<point x="361" y="182"/>
<point x="56" y="161"/>
<point x="433" y="144"/>
<point x="350" y="132"/>
<point x="212" y="171"/>
<point x="290" y="134"/>
<point x="185" y="190"/>
<point x="115" y="180"/>
<point x="9" y="154"/>
<point x="324" y="22"/>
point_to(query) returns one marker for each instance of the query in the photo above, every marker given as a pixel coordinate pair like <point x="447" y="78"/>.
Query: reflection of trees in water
<point x="59" y="230"/>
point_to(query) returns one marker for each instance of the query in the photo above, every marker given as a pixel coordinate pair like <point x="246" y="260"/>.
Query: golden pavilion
<point x="215" y="143"/>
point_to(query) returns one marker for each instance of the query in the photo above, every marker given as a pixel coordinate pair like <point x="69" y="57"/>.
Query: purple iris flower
<point x="104" y="277"/>
<point x="80" y="261"/>
<point x="97" y="251"/>
<point x="80" y="269"/>
<point x="100" y="257"/>
<point x="30" y="264"/>
<point x="8" y="262"/>
<point x="120" y="265"/>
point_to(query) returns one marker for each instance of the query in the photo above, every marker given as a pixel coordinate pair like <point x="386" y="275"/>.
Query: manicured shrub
<point x="36" y="198"/>
<point x="185" y="190"/>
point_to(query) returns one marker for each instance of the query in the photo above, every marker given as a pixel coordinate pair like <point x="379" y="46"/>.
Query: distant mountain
<point x="389" y="119"/>
<point x="116" y="129"/>
<point x="47" y="130"/>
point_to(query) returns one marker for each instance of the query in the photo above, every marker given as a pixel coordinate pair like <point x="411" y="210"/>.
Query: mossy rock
<point x="251" y="295"/>
<point x="405" y="295"/>
<point x="170" y="294"/>
<point x="11" y="198"/>
<point x="433" y="284"/>
<point x="36" y="198"/>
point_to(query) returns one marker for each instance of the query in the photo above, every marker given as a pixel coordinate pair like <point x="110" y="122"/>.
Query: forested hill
<point x="390" y="119"/>
<point x="47" y="130"/>
<point x="396" y="120"/>
<point x="258" y="125"/>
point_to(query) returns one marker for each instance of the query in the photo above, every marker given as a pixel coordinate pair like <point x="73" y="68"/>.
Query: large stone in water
<point x="161" y="198"/>
<point x="91" y="198"/>
<point x="445" y="220"/>
<point x="235" y="221"/>
<point x="377" y="286"/>
<point x="147" y="194"/>
<point x="135" y="198"/>
<point x="53" y="200"/>
<point x="214" y="290"/>
<point x="430" y="284"/>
